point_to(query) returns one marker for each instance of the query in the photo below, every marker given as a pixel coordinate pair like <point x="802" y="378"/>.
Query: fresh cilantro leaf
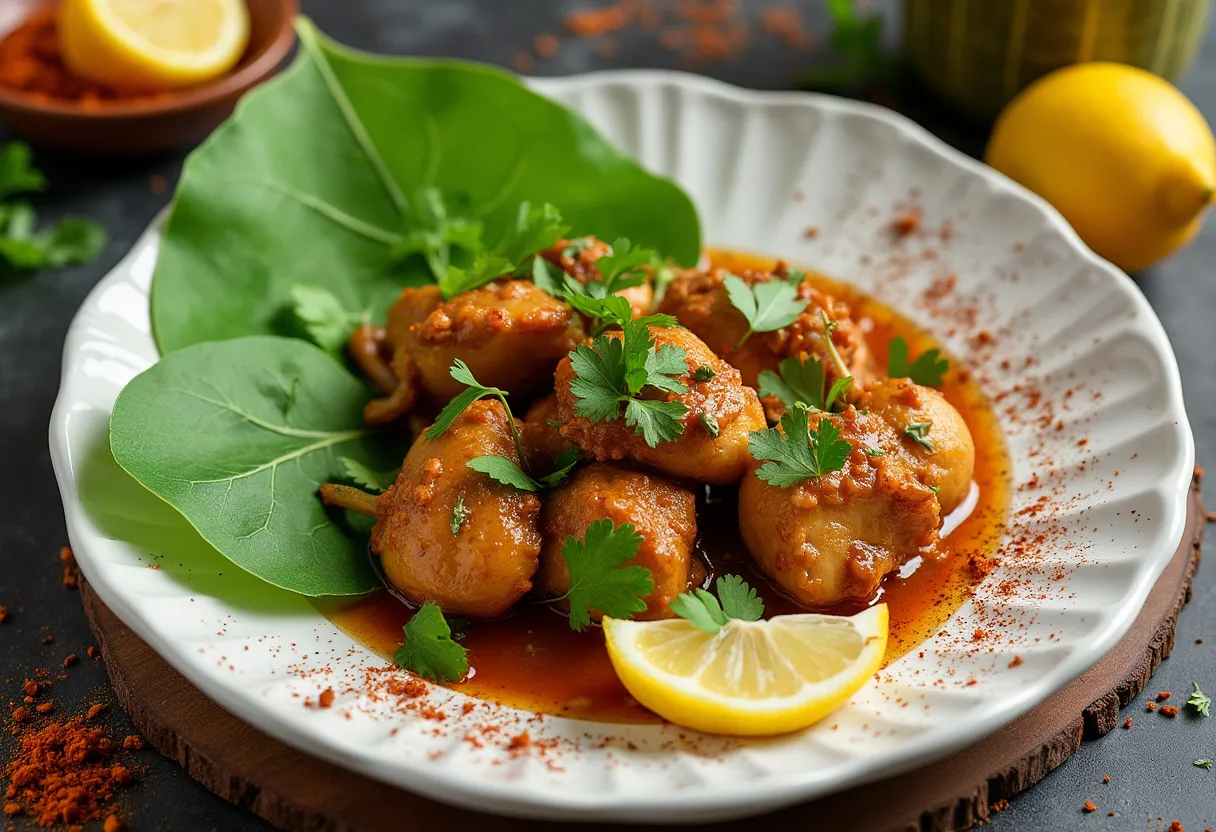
<point x="857" y="41"/>
<point x="476" y="390"/>
<point x="665" y="274"/>
<point x="792" y="453"/>
<point x="766" y="306"/>
<point x="74" y="240"/>
<point x="1203" y="764"/>
<point x="577" y="246"/>
<point x="736" y="600"/>
<point x="928" y="369"/>
<point x="485" y="268"/>
<point x="703" y="373"/>
<point x="936" y="489"/>
<point x="429" y="650"/>
<point x="322" y="316"/>
<point x="794" y="275"/>
<point x="919" y="431"/>
<point x="802" y="382"/>
<point x="604" y="312"/>
<point x="1202" y="704"/>
<point x="700" y="609"/>
<point x="431" y="231"/>
<point x="460" y="513"/>
<point x="562" y="466"/>
<point x="599" y="580"/>
<point x="548" y="277"/>
<point x="504" y="471"/>
<point x="612" y="371"/>
<point x="623" y="266"/>
<point x="875" y="452"/>
<point x="17" y="175"/>
<point x="365" y="477"/>
<point x="711" y="425"/>
<point x="535" y="229"/>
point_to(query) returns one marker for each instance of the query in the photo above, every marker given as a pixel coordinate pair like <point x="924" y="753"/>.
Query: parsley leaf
<point x="548" y="277"/>
<point x="1201" y="703"/>
<point x="17" y="174"/>
<point x="928" y="369"/>
<point x="431" y="231"/>
<point x="562" y="466"/>
<point x="535" y="229"/>
<point x="766" y="306"/>
<point x="505" y="471"/>
<point x="792" y="453"/>
<point x="599" y="580"/>
<point x="919" y="432"/>
<point x="322" y="317"/>
<point x="485" y="268"/>
<point x="460" y="513"/>
<point x="711" y="425"/>
<point x="705" y="612"/>
<point x="429" y="650"/>
<point x="802" y="382"/>
<point x="612" y="371"/>
<point x="623" y="267"/>
<point x="603" y="312"/>
<point x="476" y="390"/>
<point x="1203" y="764"/>
<point x="365" y="477"/>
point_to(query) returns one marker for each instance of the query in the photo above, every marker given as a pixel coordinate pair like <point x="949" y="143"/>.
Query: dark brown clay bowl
<point x="145" y="126"/>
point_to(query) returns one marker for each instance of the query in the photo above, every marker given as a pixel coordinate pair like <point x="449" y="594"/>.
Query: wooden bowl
<point x="148" y="125"/>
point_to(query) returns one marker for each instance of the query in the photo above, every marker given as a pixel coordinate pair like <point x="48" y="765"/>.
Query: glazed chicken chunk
<point x="699" y="301"/>
<point x="663" y="513"/>
<point x="720" y="413"/>
<point x="488" y="563"/>
<point x="510" y="333"/>
<point x="834" y="537"/>
<point x="542" y="437"/>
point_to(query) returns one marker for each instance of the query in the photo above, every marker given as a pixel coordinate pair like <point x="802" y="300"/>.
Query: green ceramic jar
<point x="977" y="54"/>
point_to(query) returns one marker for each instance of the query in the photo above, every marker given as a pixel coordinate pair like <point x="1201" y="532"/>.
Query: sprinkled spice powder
<point x="1169" y="710"/>
<point x="1088" y="806"/>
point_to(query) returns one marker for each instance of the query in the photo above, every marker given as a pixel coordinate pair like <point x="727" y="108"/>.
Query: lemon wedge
<point x="152" y="44"/>
<point x="752" y="678"/>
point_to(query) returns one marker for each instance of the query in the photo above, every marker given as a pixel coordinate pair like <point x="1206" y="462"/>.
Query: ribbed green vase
<point x="978" y="54"/>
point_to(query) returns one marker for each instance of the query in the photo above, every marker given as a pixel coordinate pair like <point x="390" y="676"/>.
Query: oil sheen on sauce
<point x="532" y="659"/>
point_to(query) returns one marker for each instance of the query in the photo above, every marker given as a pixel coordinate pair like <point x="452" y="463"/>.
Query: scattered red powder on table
<point x="591" y="23"/>
<point x="522" y="62"/>
<point x="113" y="824"/>
<point x="1088" y="806"/>
<point x="94" y="710"/>
<point x="1169" y="710"/>
<point x="71" y="578"/>
<point x="1175" y="826"/>
<point x="45" y="707"/>
<point x="545" y="46"/>
<point x="70" y="660"/>
<point x="1127" y="723"/>
<point x="1152" y="706"/>
<point x="326" y="699"/>
<point x="3" y="614"/>
<point x="1164" y="695"/>
<point x="786" y="23"/>
<point x="1105" y="779"/>
<point x="1017" y="662"/>
<point x="133" y="742"/>
<point x="1000" y="806"/>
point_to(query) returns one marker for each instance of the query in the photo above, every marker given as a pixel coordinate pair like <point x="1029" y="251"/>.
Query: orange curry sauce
<point x="532" y="659"/>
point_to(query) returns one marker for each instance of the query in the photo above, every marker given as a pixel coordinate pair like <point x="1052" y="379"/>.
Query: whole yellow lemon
<point x="1120" y="152"/>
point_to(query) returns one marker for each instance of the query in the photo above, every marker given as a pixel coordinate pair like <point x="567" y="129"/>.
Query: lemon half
<point x="152" y="44"/>
<point x="752" y="678"/>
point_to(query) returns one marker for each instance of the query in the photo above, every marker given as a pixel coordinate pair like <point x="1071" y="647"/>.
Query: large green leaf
<point x="237" y="435"/>
<point x="309" y="183"/>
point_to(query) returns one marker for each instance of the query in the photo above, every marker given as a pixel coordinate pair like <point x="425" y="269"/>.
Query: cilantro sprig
<point x="507" y="472"/>
<point x="736" y="600"/>
<point x="429" y="650"/>
<point x="928" y="369"/>
<point x="804" y="382"/>
<point x="474" y="390"/>
<point x="767" y="306"/>
<point x="322" y="317"/>
<point x="599" y="579"/>
<point x="366" y="478"/>
<point x="1201" y="703"/>
<point x="612" y="372"/>
<point x="793" y="453"/>
<point x="622" y="268"/>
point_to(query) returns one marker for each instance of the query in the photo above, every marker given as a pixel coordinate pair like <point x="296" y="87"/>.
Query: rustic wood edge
<point x="968" y="804"/>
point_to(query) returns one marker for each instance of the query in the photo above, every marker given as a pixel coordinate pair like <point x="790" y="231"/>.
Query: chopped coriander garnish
<point x="792" y="453"/>
<point x="623" y="267"/>
<point x="1201" y="703"/>
<point x="1203" y="764"/>
<point x="875" y="452"/>
<point x="613" y="371"/>
<point x="433" y="231"/>
<point x="935" y="489"/>
<point x="429" y="650"/>
<point x="928" y="369"/>
<point x="599" y="579"/>
<point x="802" y="382"/>
<point x="736" y="600"/>
<point x="703" y="373"/>
<point x="535" y="229"/>
<point x="485" y="268"/>
<point x="710" y="424"/>
<point x="475" y="390"/>
<point x="365" y="477"/>
<point x="577" y="246"/>
<point x="460" y="513"/>
<point x="767" y="306"/>
<point x="919" y="431"/>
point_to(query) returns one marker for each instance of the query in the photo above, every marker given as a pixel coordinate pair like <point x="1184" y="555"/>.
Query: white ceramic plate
<point x="1062" y="341"/>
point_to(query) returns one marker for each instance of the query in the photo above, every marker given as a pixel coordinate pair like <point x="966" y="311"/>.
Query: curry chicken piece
<point x="663" y="513"/>
<point x="696" y="454"/>
<point x="833" y="538"/>
<point x="488" y="564"/>
<point x="698" y="299"/>
<point x="577" y="258"/>
<point x="542" y="437"/>
<point x="510" y="333"/>
<point x="950" y="463"/>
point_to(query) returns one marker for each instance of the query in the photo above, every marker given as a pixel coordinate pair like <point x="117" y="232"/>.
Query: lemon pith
<point x="152" y="44"/>
<point x="1120" y="152"/>
<point x="752" y="678"/>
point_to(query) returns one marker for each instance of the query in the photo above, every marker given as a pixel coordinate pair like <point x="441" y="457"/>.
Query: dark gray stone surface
<point x="1152" y="779"/>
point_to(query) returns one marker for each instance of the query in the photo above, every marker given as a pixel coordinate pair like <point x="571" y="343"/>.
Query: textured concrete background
<point x="1152" y="779"/>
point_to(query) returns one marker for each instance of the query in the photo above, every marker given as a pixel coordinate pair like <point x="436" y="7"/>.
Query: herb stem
<point x="838" y="364"/>
<point x="515" y="437"/>
<point x="743" y="340"/>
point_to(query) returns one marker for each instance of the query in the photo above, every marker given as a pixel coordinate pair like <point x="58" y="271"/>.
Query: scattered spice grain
<point x="1152" y="706"/>
<point x="133" y="742"/>
<point x="1169" y="710"/>
<point x="1164" y="695"/>
<point x="1127" y="723"/>
<point x="545" y="46"/>
<point x="1088" y="806"/>
<point x="70" y="660"/>
<point x="113" y="824"/>
<point x="71" y="578"/>
<point x="45" y="707"/>
<point x="94" y="710"/>
<point x="326" y="699"/>
<point x="1000" y="805"/>
<point x="592" y="23"/>
<point x="1105" y="779"/>
<point x="3" y="614"/>
<point x="157" y="184"/>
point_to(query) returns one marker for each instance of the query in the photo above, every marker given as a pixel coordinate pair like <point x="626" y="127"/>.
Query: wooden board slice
<point x="296" y="792"/>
